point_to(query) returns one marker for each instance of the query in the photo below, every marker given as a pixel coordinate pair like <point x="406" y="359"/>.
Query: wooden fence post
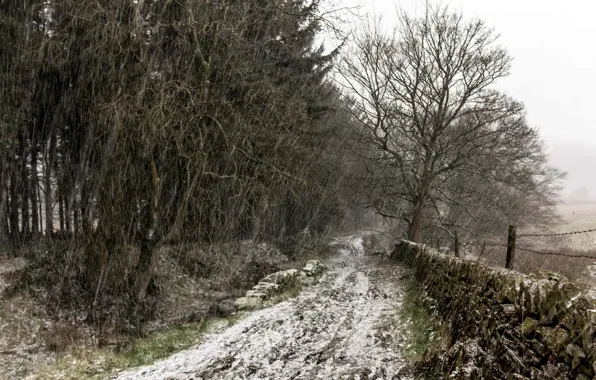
<point x="510" y="247"/>
<point x="456" y="248"/>
<point x="482" y="248"/>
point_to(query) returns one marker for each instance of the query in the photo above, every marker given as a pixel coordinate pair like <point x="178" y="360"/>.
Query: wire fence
<point x="511" y="245"/>
<point x="537" y="252"/>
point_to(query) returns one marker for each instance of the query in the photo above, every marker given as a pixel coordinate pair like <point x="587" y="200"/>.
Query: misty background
<point x="553" y="72"/>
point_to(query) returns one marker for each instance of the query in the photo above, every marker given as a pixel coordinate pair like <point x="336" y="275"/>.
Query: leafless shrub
<point x="61" y="336"/>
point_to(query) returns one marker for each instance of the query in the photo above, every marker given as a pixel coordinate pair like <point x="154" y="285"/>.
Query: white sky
<point x="554" y="69"/>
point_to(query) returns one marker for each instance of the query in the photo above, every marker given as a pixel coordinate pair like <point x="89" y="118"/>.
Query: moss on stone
<point x="529" y="326"/>
<point x="555" y="338"/>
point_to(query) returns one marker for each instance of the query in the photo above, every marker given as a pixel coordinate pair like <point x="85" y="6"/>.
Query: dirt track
<point x="332" y="330"/>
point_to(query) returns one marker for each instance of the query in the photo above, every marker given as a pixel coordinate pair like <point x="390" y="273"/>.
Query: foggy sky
<point x="554" y="69"/>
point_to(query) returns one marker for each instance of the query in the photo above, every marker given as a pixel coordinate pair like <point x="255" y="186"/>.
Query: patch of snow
<point x="350" y="246"/>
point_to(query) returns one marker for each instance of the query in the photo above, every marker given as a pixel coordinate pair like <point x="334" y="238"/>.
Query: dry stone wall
<point x="503" y="324"/>
<point x="278" y="282"/>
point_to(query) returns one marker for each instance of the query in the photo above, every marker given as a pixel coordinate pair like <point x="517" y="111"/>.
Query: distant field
<point x="576" y="217"/>
<point x="579" y="217"/>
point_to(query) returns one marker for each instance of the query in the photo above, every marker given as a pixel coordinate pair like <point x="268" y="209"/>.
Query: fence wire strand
<point x="555" y="253"/>
<point x="525" y="249"/>
<point x="557" y="234"/>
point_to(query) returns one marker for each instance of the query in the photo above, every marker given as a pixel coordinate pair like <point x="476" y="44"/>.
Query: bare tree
<point x="426" y="102"/>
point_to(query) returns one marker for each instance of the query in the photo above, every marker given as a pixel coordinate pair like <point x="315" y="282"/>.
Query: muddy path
<point x="333" y="330"/>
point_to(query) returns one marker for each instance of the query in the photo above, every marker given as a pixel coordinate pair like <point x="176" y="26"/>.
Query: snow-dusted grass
<point x="165" y="343"/>
<point x="33" y="343"/>
<point x="424" y="331"/>
<point x="100" y="363"/>
<point x="575" y="217"/>
<point x="22" y="327"/>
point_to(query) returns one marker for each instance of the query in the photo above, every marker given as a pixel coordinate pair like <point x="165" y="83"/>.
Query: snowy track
<point x="330" y="331"/>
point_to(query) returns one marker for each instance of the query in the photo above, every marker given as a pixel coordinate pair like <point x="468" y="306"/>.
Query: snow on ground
<point x="328" y="332"/>
<point x="8" y="266"/>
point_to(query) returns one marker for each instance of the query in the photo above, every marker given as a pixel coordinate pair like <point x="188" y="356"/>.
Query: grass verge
<point x="101" y="363"/>
<point x="423" y="330"/>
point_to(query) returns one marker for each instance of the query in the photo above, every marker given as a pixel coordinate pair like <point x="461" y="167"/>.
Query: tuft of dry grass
<point x="423" y="329"/>
<point x="61" y="335"/>
<point x="103" y="363"/>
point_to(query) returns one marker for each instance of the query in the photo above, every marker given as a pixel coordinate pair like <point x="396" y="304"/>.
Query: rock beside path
<point x="248" y="303"/>
<point x="281" y="278"/>
<point x="278" y="282"/>
<point x="313" y="268"/>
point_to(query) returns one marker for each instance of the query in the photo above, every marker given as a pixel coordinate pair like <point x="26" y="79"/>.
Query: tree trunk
<point x="66" y="213"/>
<point x="75" y="218"/>
<point x="61" y="210"/>
<point x="415" y="227"/>
<point x="25" y="227"/>
<point x="33" y="186"/>
<point x="176" y="228"/>
<point x="14" y="203"/>
<point x="86" y="216"/>
<point x="3" y="201"/>
<point x="40" y="210"/>
<point x="47" y="179"/>
<point x="150" y="243"/>
<point x="145" y="268"/>
<point x="24" y="188"/>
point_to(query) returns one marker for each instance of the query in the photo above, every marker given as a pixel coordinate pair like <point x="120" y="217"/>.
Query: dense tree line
<point x="141" y="123"/>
